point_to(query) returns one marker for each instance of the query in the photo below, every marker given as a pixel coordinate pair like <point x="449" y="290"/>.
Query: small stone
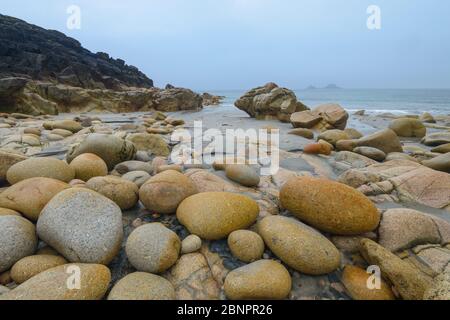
<point x="242" y="174"/>
<point x="137" y="177"/>
<point x="355" y="281"/>
<point x="302" y="132"/>
<point x="264" y="279"/>
<point x="191" y="244"/>
<point x="123" y="192"/>
<point x="246" y="245"/>
<point x="142" y="286"/>
<point x="129" y="166"/>
<point x="30" y="266"/>
<point x="153" y="248"/>
<point x="40" y="167"/>
<point x="88" y="165"/>
<point x="317" y="148"/>
<point x="62" y="132"/>
<point x="371" y="153"/>
<point x="333" y="136"/>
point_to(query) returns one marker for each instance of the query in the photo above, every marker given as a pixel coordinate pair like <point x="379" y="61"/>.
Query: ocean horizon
<point x="396" y="101"/>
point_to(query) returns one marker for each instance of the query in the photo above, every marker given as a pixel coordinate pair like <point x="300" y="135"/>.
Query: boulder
<point x="123" y="192"/>
<point x="264" y="279"/>
<point x="214" y="215"/>
<point x="9" y="212"/>
<point x="427" y="118"/>
<point x="88" y="165"/>
<point x="443" y="148"/>
<point x="402" y="229"/>
<point x="242" y="174"/>
<point x="142" y="286"/>
<point x="18" y="240"/>
<point x="436" y="139"/>
<point x="9" y="158"/>
<point x="40" y="167"/>
<point x="305" y="119"/>
<point x="164" y="192"/>
<point x="28" y="267"/>
<point x="270" y="102"/>
<point x="439" y="163"/>
<point x="82" y="225"/>
<point x="439" y="289"/>
<point x="384" y="140"/>
<point x="333" y="136"/>
<point x="153" y="248"/>
<point x="299" y="246"/>
<point x="372" y="153"/>
<point x="408" y="281"/>
<point x="408" y="127"/>
<point x="329" y="206"/>
<point x="68" y="125"/>
<point x="111" y="149"/>
<point x="52" y="284"/>
<point x="31" y="195"/>
<point x="246" y="245"/>
<point x="153" y="143"/>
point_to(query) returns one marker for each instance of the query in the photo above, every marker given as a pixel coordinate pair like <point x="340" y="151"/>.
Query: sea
<point x="396" y="101"/>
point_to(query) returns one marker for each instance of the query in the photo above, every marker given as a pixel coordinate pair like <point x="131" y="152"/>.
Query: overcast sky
<point x="239" y="44"/>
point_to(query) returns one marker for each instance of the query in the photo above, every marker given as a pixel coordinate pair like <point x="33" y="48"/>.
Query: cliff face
<point x="45" y="72"/>
<point x="40" y="54"/>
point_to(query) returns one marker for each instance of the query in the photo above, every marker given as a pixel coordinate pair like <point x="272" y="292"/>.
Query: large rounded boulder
<point x="111" y="149"/>
<point x="30" y="196"/>
<point x="408" y="127"/>
<point x="40" y="167"/>
<point x="123" y="192"/>
<point x="17" y="239"/>
<point x="153" y="248"/>
<point x="82" y="225"/>
<point x="60" y="283"/>
<point x="164" y="192"/>
<point x="263" y="279"/>
<point x="214" y="215"/>
<point x="299" y="246"/>
<point x="329" y="206"/>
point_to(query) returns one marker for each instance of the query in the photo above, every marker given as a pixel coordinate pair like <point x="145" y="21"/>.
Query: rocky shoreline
<point x="99" y="192"/>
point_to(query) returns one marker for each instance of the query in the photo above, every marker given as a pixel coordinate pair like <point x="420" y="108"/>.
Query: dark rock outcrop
<point x="30" y="51"/>
<point x="45" y="72"/>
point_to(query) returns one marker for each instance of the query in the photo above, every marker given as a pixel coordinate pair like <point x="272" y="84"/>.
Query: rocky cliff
<point x="45" y="72"/>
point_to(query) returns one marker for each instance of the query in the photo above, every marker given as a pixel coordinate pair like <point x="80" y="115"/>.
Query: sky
<point x="240" y="44"/>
